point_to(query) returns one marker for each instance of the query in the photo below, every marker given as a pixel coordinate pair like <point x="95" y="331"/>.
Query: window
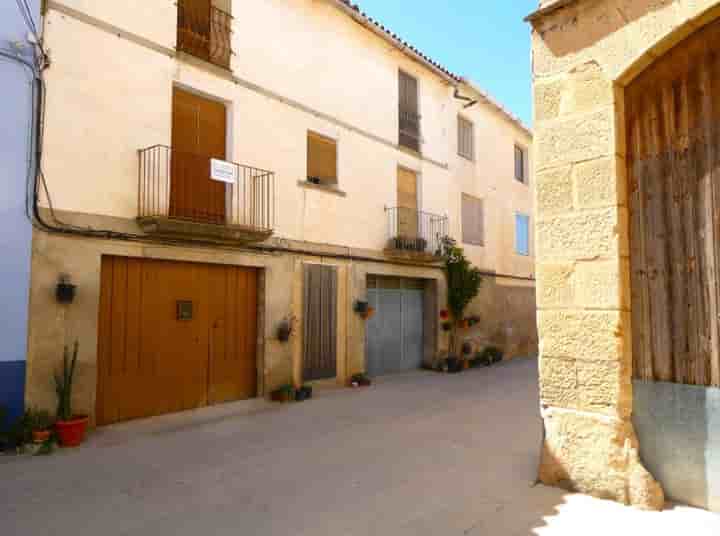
<point x="409" y="135"/>
<point x="466" y="138"/>
<point x="520" y="164"/>
<point x="522" y="234"/>
<point x="204" y="28"/>
<point x="473" y="220"/>
<point x="321" y="160"/>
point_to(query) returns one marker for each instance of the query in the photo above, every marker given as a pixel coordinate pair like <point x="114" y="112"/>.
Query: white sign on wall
<point x="223" y="171"/>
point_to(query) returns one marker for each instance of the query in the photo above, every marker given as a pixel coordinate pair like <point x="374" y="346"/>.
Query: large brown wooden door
<point x="198" y="135"/>
<point x="673" y="113"/>
<point x="173" y="336"/>
<point x="407" y="200"/>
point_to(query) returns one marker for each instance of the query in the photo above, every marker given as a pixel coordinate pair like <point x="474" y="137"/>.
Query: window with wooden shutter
<point x="520" y="164"/>
<point x="320" y="322"/>
<point x="321" y="159"/>
<point x="473" y="220"/>
<point x="466" y="138"/>
<point x="522" y="234"/>
<point x="409" y="112"/>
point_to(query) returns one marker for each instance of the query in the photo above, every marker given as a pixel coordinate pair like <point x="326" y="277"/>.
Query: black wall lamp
<point x="65" y="290"/>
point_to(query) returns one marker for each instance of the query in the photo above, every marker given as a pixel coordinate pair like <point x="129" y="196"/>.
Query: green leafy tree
<point x="463" y="280"/>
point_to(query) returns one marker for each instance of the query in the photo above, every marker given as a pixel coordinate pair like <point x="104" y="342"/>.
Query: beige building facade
<point x="624" y="93"/>
<point x="219" y="171"/>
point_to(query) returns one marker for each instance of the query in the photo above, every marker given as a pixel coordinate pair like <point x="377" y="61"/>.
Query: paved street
<point x="416" y="454"/>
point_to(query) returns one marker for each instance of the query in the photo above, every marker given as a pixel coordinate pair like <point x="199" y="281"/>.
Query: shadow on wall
<point x="507" y="311"/>
<point x="679" y="431"/>
<point x="600" y="19"/>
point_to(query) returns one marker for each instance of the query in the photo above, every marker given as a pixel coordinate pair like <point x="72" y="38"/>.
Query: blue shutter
<point x="522" y="234"/>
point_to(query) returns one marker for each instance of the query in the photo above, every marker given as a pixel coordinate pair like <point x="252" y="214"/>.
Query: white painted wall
<point x="109" y="96"/>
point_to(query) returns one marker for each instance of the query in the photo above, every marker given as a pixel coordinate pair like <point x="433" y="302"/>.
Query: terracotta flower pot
<point x="71" y="433"/>
<point x="40" y="436"/>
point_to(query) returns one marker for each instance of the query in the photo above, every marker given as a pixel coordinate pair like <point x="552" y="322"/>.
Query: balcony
<point x="204" y="31"/>
<point x="177" y="198"/>
<point x="415" y="236"/>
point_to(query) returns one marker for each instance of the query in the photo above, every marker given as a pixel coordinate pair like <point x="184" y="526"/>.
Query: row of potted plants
<point x="454" y="364"/>
<point x="36" y="427"/>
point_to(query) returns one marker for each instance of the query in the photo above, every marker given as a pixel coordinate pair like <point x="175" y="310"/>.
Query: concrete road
<point x="416" y="454"/>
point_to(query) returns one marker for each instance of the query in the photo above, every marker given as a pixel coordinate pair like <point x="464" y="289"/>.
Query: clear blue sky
<point x="484" y="40"/>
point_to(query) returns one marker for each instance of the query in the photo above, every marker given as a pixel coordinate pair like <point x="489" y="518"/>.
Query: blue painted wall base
<point x="12" y="387"/>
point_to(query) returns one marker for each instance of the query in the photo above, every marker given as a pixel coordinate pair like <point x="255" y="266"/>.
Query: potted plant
<point x="69" y="426"/>
<point x="285" y="330"/>
<point x="463" y="281"/>
<point x="284" y="394"/>
<point x="360" y="380"/>
<point x="303" y="393"/>
<point x="41" y="424"/>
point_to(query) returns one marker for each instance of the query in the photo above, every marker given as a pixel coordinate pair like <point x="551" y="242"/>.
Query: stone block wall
<point x="584" y="53"/>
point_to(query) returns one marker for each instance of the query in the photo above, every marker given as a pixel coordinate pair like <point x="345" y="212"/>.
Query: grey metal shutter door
<point x="394" y="336"/>
<point x="412" y="317"/>
<point x="320" y="323"/>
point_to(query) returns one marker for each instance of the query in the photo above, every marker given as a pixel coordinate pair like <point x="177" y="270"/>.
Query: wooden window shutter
<point x="321" y="159"/>
<point x="473" y="220"/>
<point x="466" y="139"/>
<point x="409" y="135"/>
<point x="520" y="163"/>
<point x="320" y="322"/>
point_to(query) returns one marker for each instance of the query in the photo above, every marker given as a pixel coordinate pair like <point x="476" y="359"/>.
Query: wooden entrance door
<point x="173" y="336"/>
<point x="407" y="199"/>
<point x="673" y="113"/>
<point x="198" y="134"/>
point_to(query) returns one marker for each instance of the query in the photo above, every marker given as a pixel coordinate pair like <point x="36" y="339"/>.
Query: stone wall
<point x="584" y="53"/>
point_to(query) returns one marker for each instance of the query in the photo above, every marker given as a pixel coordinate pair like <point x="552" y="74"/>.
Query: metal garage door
<point x="395" y="334"/>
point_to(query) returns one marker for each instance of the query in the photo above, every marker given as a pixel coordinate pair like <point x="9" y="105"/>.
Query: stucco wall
<point x="110" y="94"/>
<point x="15" y="110"/>
<point x="584" y="52"/>
<point x="55" y="325"/>
<point x="89" y="89"/>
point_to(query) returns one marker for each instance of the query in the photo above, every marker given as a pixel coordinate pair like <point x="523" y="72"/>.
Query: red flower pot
<point x="71" y="433"/>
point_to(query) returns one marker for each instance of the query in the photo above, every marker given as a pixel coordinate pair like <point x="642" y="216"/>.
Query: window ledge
<point x="322" y="187"/>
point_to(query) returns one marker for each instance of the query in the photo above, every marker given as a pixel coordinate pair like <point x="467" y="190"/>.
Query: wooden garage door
<point x="174" y="336"/>
<point x="673" y="115"/>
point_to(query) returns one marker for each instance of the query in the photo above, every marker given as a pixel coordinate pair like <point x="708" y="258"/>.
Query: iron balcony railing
<point x="177" y="185"/>
<point x="205" y="32"/>
<point x="414" y="231"/>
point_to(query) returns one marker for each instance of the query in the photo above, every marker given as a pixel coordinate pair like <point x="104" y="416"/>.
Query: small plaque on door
<point x="184" y="310"/>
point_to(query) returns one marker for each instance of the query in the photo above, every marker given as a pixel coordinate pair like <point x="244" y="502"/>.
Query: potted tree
<point x="69" y="426"/>
<point x="463" y="281"/>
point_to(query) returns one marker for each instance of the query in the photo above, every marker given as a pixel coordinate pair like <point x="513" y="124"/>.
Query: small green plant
<point x="361" y="379"/>
<point x="490" y="356"/>
<point x="64" y="383"/>
<point x="39" y="420"/>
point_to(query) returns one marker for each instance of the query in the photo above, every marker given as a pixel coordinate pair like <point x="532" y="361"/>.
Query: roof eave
<point x="487" y="98"/>
<point x="543" y="11"/>
<point x="403" y="47"/>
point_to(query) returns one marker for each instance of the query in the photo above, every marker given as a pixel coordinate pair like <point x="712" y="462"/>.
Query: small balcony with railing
<point x="191" y="196"/>
<point x="414" y="235"/>
<point x="204" y="31"/>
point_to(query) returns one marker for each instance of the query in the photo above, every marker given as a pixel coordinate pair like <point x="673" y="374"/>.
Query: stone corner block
<point x="597" y="456"/>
